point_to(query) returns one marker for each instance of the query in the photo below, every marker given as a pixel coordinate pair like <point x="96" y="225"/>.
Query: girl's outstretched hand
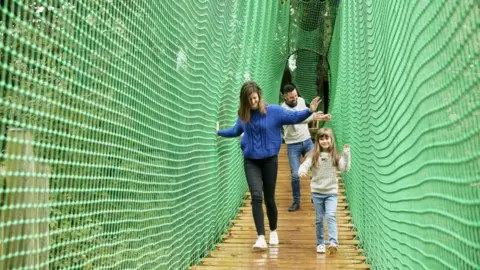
<point x="302" y="174"/>
<point x="218" y="126"/>
<point x="314" y="104"/>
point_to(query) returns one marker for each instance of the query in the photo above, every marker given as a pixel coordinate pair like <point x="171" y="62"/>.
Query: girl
<point x="261" y="125"/>
<point x="324" y="162"/>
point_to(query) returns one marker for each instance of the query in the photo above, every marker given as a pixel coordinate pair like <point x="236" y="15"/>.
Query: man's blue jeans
<point x="325" y="208"/>
<point x="295" y="151"/>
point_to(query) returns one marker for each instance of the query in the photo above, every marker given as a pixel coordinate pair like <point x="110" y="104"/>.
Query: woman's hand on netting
<point x="314" y="104"/>
<point x="346" y="148"/>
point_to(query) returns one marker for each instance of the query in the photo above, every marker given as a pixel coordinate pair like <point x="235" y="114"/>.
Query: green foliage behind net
<point x="407" y="98"/>
<point x="108" y="110"/>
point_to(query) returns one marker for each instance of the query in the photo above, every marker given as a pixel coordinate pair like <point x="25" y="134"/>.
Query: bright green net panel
<point x="109" y="155"/>
<point x="406" y="97"/>
<point x="310" y="31"/>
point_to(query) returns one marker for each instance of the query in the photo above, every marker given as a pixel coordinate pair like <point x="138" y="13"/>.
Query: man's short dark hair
<point x="288" y="88"/>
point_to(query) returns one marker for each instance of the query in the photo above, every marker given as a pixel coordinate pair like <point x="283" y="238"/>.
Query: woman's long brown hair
<point x="328" y="133"/>
<point x="249" y="88"/>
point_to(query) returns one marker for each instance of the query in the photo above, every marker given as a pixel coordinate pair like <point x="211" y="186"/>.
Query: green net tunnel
<point x="108" y="112"/>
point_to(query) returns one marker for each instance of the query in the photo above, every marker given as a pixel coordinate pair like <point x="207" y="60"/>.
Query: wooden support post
<point x="25" y="210"/>
<point x="2" y="218"/>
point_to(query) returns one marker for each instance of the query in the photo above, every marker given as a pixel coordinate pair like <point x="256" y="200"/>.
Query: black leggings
<point x="262" y="175"/>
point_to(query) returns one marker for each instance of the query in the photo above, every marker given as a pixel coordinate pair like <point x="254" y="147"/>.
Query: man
<point x="297" y="137"/>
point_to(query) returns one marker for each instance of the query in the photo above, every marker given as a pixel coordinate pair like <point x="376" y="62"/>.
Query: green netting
<point x="406" y="79"/>
<point x="109" y="154"/>
<point x="310" y="31"/>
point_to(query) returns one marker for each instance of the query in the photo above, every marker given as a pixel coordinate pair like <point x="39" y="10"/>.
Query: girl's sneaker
<point x="260" y="244"/>
<point x="332" y="248"/>
<point x="321" y="248"/>
<point x="273" y="238"/>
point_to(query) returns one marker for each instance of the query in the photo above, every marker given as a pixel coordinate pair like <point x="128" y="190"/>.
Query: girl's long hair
<point x="247" y="89"/>
<point x="328" y="133"/>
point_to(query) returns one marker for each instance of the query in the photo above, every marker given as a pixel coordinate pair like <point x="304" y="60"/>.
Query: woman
<point x="261" y="125"/>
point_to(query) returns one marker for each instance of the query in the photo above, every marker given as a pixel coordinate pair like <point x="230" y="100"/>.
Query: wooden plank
<point x="306" y="236"/>
<point x="244" y="250"/>
<point x="285" y="222"/>
<point x="300" y="233"/>
<point x="303" y="228"/>
<point x="295" y="241"/>
<point x="300" y="218"/>
<point x="321" y="259"/>
<point x="3" y="218"/>
<point x="294" y="246"/>
<point x="339" y="205"/>
<point x="340" y="213"/>
<point x="286" y="264"/>
<point x="288" y="196"/>
<point x="289" y="267"/>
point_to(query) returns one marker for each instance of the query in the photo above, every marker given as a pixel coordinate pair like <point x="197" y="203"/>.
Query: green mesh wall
<point x="407" y="99"/>
<point x="109" y="156"/>
<point x="108" y="109"/>
<point x="310" y="31"/>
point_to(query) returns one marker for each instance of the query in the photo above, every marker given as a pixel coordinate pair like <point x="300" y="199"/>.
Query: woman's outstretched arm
<point x="234" y="131"/>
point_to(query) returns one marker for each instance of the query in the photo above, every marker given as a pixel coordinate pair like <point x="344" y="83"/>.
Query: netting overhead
<point x="310" y="32"/>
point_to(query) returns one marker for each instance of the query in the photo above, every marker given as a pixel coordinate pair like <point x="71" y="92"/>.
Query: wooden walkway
<point x="296" y="231"/>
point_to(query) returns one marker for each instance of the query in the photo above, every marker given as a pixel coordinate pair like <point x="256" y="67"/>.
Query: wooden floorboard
<point x="296" y="231"/>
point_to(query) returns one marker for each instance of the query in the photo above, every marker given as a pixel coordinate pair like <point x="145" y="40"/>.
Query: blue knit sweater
<point x="262" y="136"/>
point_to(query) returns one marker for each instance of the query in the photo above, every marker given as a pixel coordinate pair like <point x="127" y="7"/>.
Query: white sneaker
<point x="260" y="244"/>
<point x="321" y="248"/>
<point x="332" y="248"/>
<point x="273" y="238"/>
